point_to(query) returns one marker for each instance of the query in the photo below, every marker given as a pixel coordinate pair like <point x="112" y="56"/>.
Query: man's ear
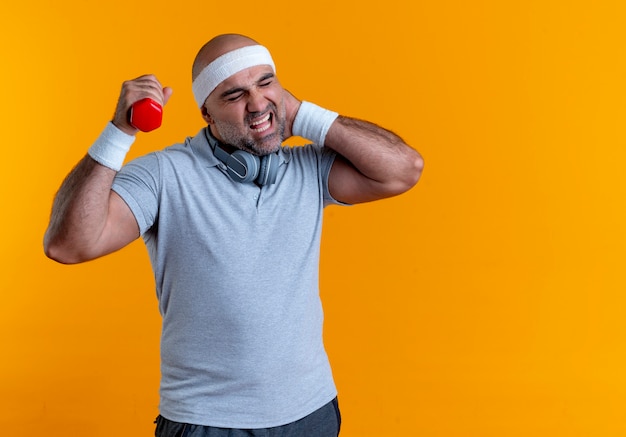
<point x="205" y="115"/>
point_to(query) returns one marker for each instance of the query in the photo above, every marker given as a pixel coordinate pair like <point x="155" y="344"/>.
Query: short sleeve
<point x="327" y="160"/>
<point x="138" y="184"/>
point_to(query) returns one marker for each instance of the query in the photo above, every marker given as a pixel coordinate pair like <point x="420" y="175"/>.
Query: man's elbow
<point x="61" y="253"/>
<point x="411" y="174"/>
<point x="57" y="254"/>
<point x="417" y="167"/>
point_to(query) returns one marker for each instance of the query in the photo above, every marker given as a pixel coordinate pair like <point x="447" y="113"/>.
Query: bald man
<point x="232" y="220"/>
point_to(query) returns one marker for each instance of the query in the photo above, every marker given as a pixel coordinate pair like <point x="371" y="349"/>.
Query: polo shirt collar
<point x="204" y="143"/>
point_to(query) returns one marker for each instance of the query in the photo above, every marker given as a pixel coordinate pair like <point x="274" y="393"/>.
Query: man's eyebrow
<point x="266" y="76"/>
<point x="232" y="91"/>
<point x="236" y="90"/>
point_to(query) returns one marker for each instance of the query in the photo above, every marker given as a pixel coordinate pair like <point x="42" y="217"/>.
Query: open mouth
<point x="263" y="124"/>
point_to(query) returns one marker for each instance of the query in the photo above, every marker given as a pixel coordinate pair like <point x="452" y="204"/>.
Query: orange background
<point x="487" y="301"/>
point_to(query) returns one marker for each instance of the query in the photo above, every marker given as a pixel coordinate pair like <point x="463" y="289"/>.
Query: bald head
<point x="216" y="47"/>
<point x="222" y="57"/>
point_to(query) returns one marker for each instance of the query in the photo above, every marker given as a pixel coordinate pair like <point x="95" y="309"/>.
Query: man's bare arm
<point x="374" y="163"/>
<point x="88" y="219"/>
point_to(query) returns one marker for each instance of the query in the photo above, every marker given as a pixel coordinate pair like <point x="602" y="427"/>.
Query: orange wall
<point x="488" y="301"/>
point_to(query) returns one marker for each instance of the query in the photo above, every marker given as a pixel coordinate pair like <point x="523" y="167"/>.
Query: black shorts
<point x="325" y="422"/>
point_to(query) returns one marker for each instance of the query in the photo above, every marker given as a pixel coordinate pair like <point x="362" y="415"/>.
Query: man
<point x="232" y="223"/>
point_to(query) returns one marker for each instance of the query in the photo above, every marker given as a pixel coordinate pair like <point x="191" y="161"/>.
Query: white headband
<point x="225" y="66"/>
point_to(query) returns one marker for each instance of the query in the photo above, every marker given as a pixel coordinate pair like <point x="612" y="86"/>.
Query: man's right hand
<point x="133" y="91"/>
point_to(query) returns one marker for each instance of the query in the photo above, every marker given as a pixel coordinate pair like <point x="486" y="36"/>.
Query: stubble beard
<point x="233" y="135"/>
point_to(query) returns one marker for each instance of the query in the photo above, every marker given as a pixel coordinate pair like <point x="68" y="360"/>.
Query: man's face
<point x="247" y="111"/>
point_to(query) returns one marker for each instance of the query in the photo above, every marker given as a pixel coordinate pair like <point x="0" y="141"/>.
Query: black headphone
<point x="245" y="167"/>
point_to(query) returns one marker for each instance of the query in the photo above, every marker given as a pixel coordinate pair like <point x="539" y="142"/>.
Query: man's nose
<point x="256" y="101"/>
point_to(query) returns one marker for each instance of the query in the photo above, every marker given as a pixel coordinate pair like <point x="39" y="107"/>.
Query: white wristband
<point x="312" y="122"/>
<point x="111" y="147"/>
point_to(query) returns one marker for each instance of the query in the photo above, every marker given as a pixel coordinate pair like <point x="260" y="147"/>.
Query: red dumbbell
<point x="146" y="115"/>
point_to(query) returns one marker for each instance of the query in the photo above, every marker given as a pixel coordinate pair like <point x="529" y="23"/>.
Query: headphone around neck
<point x="245" y="167"/>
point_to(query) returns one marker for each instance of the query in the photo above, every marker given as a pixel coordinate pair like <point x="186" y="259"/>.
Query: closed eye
<point x="234" y="94"/>
<point x="266" y="80"/>
<point x="234" y="97"/>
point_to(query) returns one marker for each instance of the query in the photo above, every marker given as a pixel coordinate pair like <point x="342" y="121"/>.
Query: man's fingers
<point x="141" y="87"/>
<point x="134" y="91"/>
<point x="167" y="93"/>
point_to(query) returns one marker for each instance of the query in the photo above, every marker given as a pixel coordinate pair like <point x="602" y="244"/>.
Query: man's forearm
<point x="376" y="153"/>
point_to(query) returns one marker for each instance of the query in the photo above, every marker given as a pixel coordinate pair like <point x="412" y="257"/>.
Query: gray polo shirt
<point x="236" y="271"/>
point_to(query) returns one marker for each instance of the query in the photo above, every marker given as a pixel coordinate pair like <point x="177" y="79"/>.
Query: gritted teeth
<point x="258" y="123"/>
<point x="263" y="120"/>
